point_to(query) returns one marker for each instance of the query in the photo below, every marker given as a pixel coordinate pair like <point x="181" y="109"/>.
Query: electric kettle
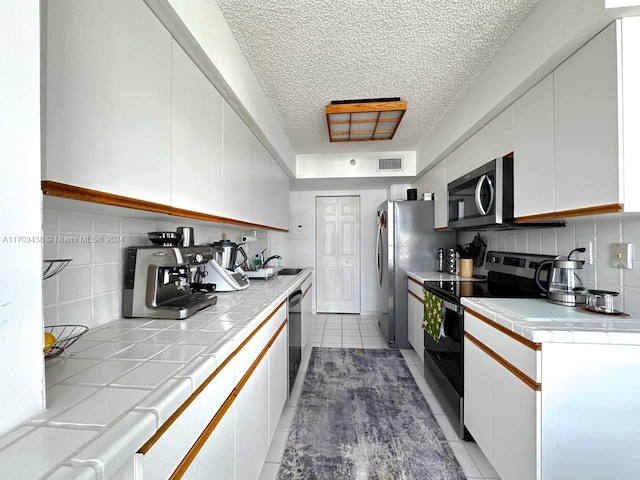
<point x="564" y="285"/>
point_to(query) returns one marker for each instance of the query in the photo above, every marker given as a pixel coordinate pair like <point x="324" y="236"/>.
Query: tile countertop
<point x="544" y="322"/>
<point x="126" y="379"/>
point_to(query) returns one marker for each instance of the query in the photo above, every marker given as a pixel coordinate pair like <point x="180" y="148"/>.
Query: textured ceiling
<point x="306" y="53"/>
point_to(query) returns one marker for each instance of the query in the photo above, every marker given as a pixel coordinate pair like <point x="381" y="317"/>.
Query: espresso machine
<point x="164" y="281"/>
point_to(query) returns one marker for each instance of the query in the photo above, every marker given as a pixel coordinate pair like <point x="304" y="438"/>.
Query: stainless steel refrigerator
<point x="406" y="241"/>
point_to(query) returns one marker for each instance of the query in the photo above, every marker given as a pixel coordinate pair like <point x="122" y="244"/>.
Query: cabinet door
<point x="307" y="313"/>
<point x="161" y="460"/>
<point x="252" y="423"/>
<point x="216" y="459"/>
<point x="108" y="94"/>
<point x="478" y="407"/>
<point x="237" y="150"/>
<point x="434" y="181"/>
<point x="493" y="140"/>
<point x="533" y="138"/>
<point x="586" y="124"/>
<point x="411" y="319"/>
<point x="514" y="426"/>
<point x="278" y="379"/>
<point x="440" y="196"/>
<point x="196" y="138"/>
<point x="418" y="315"/>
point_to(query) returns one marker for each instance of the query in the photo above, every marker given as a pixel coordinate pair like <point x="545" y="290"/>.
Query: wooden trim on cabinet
<point x="415" y="281"/>
<point x="421" y="300"/>
<point x="170" y="421"/>
<point x="188" y="459"/>
<point x="518" y="338"/>
<point x="73" y="192"/>
<point x="515" y="371"/>
<point x="576" y="212"/>
<point x="443" y="229"/>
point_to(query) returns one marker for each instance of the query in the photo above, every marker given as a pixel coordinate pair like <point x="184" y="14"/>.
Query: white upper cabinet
<point x="587" y="123"/>
<point x="196" y="138"/>
<point x="493" y="140"/>
<point x="108" y="94"/>
<point x="533" y="147"/>
<point x="597" y="117"/>
<point x="237" y="150"/>
<point x="255" y="188"/>
<point x="434" y="181"/>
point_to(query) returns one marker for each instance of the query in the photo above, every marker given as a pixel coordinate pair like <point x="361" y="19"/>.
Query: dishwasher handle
<point x="295" y="298"/>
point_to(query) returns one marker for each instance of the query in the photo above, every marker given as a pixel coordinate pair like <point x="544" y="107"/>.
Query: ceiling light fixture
<point x="362" y="120"/>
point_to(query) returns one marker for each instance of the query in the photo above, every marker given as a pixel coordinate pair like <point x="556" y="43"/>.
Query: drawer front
<point x="415" y="287"/>
<point x="161" y="460"/>
<point x="252" y="346"/>
<point x="514" y="349"/>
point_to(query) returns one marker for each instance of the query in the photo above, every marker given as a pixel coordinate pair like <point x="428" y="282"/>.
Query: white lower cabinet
<point x="278" y="380"/>
<point x="224" y="429"/>
<point x="478" y="396"/>
<point x="411" y="330"/>
<point x="415" y="316"/>
<point x="216" y="459"/>
<point x="307" y="312"/>
<point x="514" y="422"/>
<point x="252" y="423"/>
<point x="501" y="401"/>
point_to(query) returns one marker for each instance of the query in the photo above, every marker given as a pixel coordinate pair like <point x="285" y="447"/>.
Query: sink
<point x="290" y="271"/>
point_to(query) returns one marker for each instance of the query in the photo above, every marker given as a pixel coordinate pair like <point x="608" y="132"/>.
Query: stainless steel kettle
<point x="564" y="285"/>
<point x="226" y="254"/>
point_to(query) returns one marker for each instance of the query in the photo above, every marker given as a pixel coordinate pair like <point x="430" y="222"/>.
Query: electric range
<point x="509" y="275"/>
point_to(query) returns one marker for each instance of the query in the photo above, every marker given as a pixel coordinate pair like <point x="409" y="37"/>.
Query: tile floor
<point x="362" y="331"/>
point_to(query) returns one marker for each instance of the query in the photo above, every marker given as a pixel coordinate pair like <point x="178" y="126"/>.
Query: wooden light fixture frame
<point x="351" y="107"/>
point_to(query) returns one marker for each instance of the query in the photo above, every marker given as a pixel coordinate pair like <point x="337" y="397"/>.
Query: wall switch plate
<point x="621" y="255"/>
<point x="587" y="256"/>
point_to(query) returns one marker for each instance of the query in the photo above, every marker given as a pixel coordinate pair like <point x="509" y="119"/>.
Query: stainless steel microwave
<point x="483" y="198"/>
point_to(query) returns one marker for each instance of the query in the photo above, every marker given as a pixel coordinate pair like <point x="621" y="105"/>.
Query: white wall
<point x="302" y="252"/>
<point x="338" y="165"/>
<point x="601" y="230"/>
<point x="89" y="290"/>
<point x="21" y="389"/>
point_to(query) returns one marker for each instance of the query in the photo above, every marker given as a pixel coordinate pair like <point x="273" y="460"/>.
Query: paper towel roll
<point x="246" y="239"/>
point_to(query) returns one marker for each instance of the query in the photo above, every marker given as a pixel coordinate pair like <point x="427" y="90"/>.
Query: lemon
<point x="49" y="340"/>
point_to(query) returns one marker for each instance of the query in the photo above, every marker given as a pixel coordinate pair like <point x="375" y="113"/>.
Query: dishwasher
<point x="295" y="335"/>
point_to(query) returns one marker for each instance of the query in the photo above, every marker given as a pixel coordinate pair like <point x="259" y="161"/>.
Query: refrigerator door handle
<point x="379" y="255"/>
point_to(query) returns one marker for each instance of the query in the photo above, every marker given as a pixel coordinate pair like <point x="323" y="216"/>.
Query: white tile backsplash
<point x="89" y="290"/>
<point x="104" y="224"/>
<point x="74" y="283"/>
<point x="601" y="231"/>
<point x="72" y="222"/>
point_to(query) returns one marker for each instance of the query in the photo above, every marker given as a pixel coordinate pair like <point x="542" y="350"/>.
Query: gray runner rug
<point x="361" y="416"/>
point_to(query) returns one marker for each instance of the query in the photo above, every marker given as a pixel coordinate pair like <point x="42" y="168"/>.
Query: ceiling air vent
<point x="390" y="164"/>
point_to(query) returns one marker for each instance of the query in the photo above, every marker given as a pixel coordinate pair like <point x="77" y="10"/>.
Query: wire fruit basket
<point x="65" y="335"/>
<point x="53" y="267"/>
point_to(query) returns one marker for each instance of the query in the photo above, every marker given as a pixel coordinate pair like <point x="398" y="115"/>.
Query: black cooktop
<point x="511" y="275"/>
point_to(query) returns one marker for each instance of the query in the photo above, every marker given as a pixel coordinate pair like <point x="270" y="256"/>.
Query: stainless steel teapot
<point x="564" y="285"/>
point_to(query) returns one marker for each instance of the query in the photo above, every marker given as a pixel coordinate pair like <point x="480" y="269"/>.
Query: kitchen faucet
<point x="263" y="262"/>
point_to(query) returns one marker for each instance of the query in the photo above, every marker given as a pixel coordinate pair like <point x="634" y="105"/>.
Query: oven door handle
<point x="446" y="303"/>
<point x="451" y="306"/>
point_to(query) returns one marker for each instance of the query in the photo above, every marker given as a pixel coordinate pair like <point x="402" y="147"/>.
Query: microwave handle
<point x="481" y="208"/>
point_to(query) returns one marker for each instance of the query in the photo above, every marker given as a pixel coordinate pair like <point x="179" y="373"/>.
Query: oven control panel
<point x="521" y="264"/>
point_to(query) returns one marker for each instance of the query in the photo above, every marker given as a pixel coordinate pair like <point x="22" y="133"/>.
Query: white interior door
<point x="338" y="254"/>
